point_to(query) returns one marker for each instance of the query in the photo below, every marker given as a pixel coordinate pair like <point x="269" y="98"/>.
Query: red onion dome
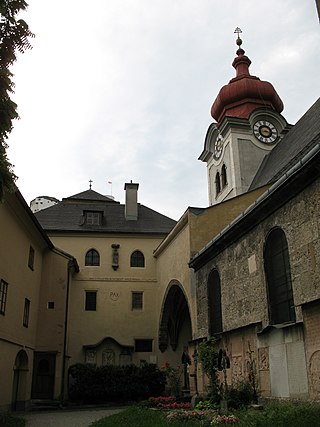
<point x="244" y="93"/>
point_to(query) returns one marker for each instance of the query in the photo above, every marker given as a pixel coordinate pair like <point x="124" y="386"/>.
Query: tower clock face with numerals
<point x="265" y="131"/>
<point x="218" y="145"/>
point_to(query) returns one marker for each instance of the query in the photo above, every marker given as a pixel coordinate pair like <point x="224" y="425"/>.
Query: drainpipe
<point x="64" y="350"/>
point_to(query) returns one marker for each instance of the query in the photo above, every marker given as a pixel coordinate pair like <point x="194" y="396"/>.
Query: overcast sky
<point x="120" y="90"/>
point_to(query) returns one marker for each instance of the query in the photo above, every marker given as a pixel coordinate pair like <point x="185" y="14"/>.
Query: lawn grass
<point x="282" y="415"/>
<point x="273" y="415"/>
<point x="8" y="420"/>
<point x="138" y="417"/>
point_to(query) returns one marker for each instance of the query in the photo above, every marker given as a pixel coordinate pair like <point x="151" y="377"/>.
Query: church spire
<point x="244" y="93"/>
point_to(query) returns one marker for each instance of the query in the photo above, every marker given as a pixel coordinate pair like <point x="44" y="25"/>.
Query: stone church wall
<point x="244" y="299"/>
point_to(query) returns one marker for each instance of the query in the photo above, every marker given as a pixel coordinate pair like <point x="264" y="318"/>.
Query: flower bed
<point x="181" y="411"/>
<point x="223" y="419"/>
<point x="168" y="402"/>
<point x="183" y="415"/>
<point x="161" y="400"/>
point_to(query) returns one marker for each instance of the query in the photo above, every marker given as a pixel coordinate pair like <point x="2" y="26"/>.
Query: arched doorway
<point x="44" y="366"/>
<point x="175" y="318"/>
<point x="175" y="330"/>
<point x="20" y="369"/>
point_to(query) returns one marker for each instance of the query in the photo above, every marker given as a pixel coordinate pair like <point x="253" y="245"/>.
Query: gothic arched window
<point x="92" y="257"/>
<point x="224" y="180"/>
<point x="214" y="303"/>
<point x="137" y="259"/>
<point x="218" y="184"/>
<point x="278" y="276"/>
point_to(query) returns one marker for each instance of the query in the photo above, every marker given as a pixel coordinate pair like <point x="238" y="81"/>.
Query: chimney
<point x="131" y="207"/>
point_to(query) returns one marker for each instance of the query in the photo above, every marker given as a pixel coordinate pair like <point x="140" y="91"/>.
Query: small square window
<point x="50" y="305"/>
<point x="26" y="312"/>
<point x="91" y="301"/>
<point x="137" y="300"/>
<point x="31" y="258"/>
<point x="3" y="296"/>
<point x="143" y="346"/>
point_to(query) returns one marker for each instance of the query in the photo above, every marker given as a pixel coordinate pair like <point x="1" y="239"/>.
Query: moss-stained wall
<point x="243" y="283"/>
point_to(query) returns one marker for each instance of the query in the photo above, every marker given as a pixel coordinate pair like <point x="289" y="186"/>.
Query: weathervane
<point x="90" y="183"/>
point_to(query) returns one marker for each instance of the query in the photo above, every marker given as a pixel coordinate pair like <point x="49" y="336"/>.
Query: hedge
<point x="91" y="384"/>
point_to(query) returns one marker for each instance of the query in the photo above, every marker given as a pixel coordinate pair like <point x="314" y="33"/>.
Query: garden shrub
<point x="209" y="358"/>
<point x="8" y="420"/>
<point x="90" y="384"/>
<point x="205" y="405"/>
<point x="241" y="395"/>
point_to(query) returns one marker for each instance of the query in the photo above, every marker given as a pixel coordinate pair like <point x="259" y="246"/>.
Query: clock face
<point x="218" y="145"/>
<point x="265" y="131"/>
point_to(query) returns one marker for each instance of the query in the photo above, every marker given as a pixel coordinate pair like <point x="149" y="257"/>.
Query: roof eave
<point x="293" y="182"/>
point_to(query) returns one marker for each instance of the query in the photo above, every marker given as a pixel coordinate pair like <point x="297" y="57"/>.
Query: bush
<point x="7" y="420"/>
<point x="205" y="405"/>
<point x="208" y="356"/>
<point x="90" y="384"/>
<point x="241" y="395"/>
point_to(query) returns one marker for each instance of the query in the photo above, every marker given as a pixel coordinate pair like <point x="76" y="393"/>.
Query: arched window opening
<point x="92" y="258"/>
<point x="137" y="259"/>
<point x="214" y="303"/>
<point x="218" y="184"/>
<point x="278" y="277"/>
<point x="224" y="180"/>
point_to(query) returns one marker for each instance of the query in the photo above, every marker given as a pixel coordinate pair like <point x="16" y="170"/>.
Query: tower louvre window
<point x="218" y="184"/>
<point x="224" y="180"/>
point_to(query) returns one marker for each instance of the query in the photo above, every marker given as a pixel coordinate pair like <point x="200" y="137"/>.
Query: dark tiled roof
<point x="68" y="216"/>
<point x="298" y="141"/>
<point x="90" y="195"/>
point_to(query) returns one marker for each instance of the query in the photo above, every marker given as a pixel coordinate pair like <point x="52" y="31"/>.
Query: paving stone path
<point x="67" y="418"/>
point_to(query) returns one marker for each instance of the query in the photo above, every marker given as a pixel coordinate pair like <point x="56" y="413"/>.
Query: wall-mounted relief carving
<point x="125" y="357"/>
<point x="237" y="368"/>
<point x="108" y="357"/>
<point x="91" y="357"/>
<point x="263" y="357"/>
<point x="115" y="256"/>
<point x="114" y="295"/>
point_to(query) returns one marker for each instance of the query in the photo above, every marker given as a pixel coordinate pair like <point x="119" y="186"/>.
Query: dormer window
<point x="93" y="217"/>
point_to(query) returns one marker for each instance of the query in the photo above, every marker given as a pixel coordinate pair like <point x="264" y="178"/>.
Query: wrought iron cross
<point x="238" y="31"/>
<point x="90" y="183"/>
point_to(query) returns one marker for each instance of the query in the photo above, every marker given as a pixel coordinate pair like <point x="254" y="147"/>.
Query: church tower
<point x="248" y="125"/>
